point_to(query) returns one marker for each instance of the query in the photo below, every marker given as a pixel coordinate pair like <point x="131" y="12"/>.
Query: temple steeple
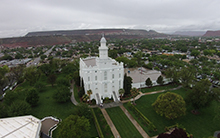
<point x="103" y="49"/>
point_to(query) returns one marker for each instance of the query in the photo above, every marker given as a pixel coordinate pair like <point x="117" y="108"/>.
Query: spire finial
<point x="103" y="34"/>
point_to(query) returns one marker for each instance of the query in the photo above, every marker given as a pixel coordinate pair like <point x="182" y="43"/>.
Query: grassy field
<point x="158" y="88"/>
<point x="200" y="126"/>
<point x="124" y="126"/>
<point x="48" y="107"/>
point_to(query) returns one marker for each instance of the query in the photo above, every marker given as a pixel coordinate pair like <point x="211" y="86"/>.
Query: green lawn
<point x="102" y="122"/>
<point x="48" y="107"/>
<point x="157" y="88"/>
<point x="124" y="126"/>
<point x="199" y="125"/>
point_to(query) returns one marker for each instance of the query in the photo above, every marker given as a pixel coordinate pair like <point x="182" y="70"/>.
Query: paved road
<point x="135" y="123"/>
<point x="110" y="123"/>
<point x="37" y="60"/>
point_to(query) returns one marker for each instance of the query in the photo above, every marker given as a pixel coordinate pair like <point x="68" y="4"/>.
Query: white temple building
<point x="103" y="75"/>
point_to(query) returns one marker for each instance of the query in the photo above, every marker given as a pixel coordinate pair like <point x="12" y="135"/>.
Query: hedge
<point x="150" y="124"/>
<point x="97" y="124"/>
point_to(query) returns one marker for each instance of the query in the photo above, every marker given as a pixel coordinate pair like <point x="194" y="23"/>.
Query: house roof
<point x="20" y="127"/>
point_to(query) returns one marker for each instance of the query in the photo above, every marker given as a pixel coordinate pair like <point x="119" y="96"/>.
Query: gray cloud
<point x="20" y="17"/>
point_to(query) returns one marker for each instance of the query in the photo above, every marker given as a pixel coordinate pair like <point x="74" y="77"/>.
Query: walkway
<point x="135" y="123"/>
<point x="110" y="123"/>
<point x="72" y="96"/>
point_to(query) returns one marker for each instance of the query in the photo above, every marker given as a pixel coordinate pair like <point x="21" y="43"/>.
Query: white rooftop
<point x="20" y="127"/>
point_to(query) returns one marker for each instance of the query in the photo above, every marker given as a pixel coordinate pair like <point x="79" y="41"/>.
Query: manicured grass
<point x="103" y="124"/>
<point x="124" y="126"/>
<point x="158" y="88"/>
<point x="76" y="93"/>
<point x="200" y="126"/>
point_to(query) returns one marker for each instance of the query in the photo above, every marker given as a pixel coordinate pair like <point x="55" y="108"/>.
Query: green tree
<point x="187" y="76"/>
<point x="32" y="75"/>
<point x="134" y="91"/>
<point x="83" y="109"/>
<point x="52" y="79"/>
<point x="18" y="72"/>
<point x="74" y="127"/>
<point x="200" y="95"/>
<point x="121" y="92"/>
<point x="127" y="84"/>
<point x="18" y="108"/>
<point x="160" y="80"/>
<point x="40" y="86"/>
<point x="217" y="115"/>
<point x="148" y="82"/>
<point x="3" y="110"/>
<point x="62" y="94"/>
<point x="195" y="53"/>
<point x="63" y="81"/>
<point x="32" y="97"/>
<point x="46" y="69"/>
<point x="170" y="105"/>
<point x="3" y="78"/>
<point x="9" y="97"/>
<point x="172" y="73"/>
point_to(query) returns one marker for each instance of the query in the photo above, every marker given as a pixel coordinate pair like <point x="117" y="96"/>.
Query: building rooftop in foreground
<point x="20" y="127"/>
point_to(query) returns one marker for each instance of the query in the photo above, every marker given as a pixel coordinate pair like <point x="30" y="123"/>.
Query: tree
<point x="160" y="80"/>
<point x="52" y="79"/>
<point x="46" y="69"/>
<point x="195" y="53"/>
<point x="172" y="73"/>
<point x="148" y="82"/>
<point x="176" y="133"/>
<point x="74" y="127"/>
<point x="3" y="78"/>
<point x="3" y="110"/>
<point x="40" y="86"/>
<point x="63" y="81"/>
<point x="32" y="97"/>
<point x="62" y="94"/>
<point x="76" y="78"/>
<point x="217" y="115"/>
<point x="134" y="91"/>
<point x="200" y="95"/>
<point x="19" y="108"/>
<point x="83" y="109"/>
<point x="187" y="76"/>
<point x="9" y="97"/>
<point x="32" y="75"/>
<point x="127" y="84"/>
<point x="18" y="72"/>
<point x="85" y="97"/>
<point x="170" y="105"/>
<point x="89" y="92"/>
<point x="121" y="92"/>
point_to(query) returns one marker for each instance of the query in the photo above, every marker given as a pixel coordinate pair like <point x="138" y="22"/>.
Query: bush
<point x="39" y="86"/>
<point x="151" y="126"/>
<point x="97" y="124"/>
<point x="62" y="94"/>
<point x="19" y="108"/>
<point x="63" y="81"/>
<point x="32" y="97"/>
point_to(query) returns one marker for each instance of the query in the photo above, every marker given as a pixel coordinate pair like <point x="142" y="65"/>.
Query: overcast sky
<point x="18" y="17"/>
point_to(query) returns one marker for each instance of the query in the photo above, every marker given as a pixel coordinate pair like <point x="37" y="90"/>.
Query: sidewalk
<point x="110" y="123"/>
<point x="135" y="123"/>
<point x="72" y="96"/>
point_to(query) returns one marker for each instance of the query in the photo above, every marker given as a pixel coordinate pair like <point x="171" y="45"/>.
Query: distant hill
<point x="212" y="34"/>
<point x="189" y="33"/>
<point x="68" y="36"/>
